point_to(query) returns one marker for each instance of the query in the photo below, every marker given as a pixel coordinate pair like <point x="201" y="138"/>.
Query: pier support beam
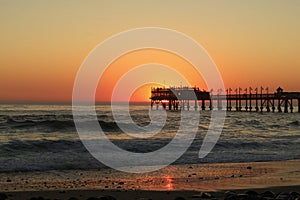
<point x="210" y="105"/>
<point x="279" y="109"/>
<point x="268" y="105"/>
<point x="279" y="106"/>
<point x="273" y="105"/>
<point x="286" y="101"/>
<point x="227" y="104"/>
<point x="256" y="103"/>
<point x="299" y="105"/>
<point x="203" y="104"/>
<point x="250" y="103"/>
<point x="246" y="107"/>
<point x="196" y="105"/>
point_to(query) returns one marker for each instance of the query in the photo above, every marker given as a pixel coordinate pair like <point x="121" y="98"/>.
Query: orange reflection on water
<point x="169" y="182"/>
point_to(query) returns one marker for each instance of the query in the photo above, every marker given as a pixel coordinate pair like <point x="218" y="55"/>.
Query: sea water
<point x="44" y="137"/>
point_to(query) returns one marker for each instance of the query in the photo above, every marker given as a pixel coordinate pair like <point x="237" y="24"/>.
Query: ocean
<point x="43" y="137"/>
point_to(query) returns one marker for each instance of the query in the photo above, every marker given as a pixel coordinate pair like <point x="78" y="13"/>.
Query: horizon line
<point x="65" y="102"/>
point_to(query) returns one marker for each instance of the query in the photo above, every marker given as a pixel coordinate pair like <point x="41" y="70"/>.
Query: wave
<point x="294" y="123"/>
<point x="245" y="137"/>
<point x="49" y="124"/>
<point x="41" y="155"/>
<point x="133" y="145"/>
<point x="52" y="123"/>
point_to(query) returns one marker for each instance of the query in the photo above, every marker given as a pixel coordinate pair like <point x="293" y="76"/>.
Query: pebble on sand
<point x="203" y="195"/>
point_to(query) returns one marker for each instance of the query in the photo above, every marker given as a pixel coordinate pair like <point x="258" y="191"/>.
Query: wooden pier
<point x="183" y="98"/>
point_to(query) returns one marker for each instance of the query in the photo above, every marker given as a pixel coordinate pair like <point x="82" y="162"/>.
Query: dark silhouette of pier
<point x="181" y="98"/>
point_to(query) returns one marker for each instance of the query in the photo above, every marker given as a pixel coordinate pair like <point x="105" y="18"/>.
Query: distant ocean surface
<point x="43" y="137"/>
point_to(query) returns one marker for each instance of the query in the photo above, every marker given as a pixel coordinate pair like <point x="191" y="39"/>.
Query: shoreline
<point x="182" y="180"/>
<point x="139" y="194"/>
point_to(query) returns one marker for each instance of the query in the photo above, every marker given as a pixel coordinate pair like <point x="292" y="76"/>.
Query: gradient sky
<point x="43" y="43"/>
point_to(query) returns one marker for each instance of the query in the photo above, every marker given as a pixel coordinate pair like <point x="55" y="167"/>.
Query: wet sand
<point x="168" y="183"/>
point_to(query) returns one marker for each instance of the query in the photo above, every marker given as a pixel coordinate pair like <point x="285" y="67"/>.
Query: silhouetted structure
<point x="179" y="98"/>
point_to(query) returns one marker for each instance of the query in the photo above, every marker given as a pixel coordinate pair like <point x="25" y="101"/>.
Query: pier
<point x="249" y="100"/>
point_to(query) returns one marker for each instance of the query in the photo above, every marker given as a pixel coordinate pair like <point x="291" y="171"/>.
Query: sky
<point x="43" y="43"/>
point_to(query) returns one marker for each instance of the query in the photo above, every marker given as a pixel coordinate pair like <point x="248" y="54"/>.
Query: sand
<point x="168" y="183"/>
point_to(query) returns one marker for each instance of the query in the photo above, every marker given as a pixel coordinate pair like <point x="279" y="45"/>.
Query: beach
<point x="186" y="181"/>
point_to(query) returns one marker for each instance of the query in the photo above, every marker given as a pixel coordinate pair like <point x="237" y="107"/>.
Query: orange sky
<point x="43" y="43"/>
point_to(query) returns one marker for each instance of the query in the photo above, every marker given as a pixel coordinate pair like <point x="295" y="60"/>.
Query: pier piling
<point x="286" y="105"/>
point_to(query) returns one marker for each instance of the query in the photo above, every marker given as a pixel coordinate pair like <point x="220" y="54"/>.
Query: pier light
<point x="279" y="90"/>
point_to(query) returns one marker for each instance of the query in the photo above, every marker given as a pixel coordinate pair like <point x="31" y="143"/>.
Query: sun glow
<point x="127" y="62"/>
